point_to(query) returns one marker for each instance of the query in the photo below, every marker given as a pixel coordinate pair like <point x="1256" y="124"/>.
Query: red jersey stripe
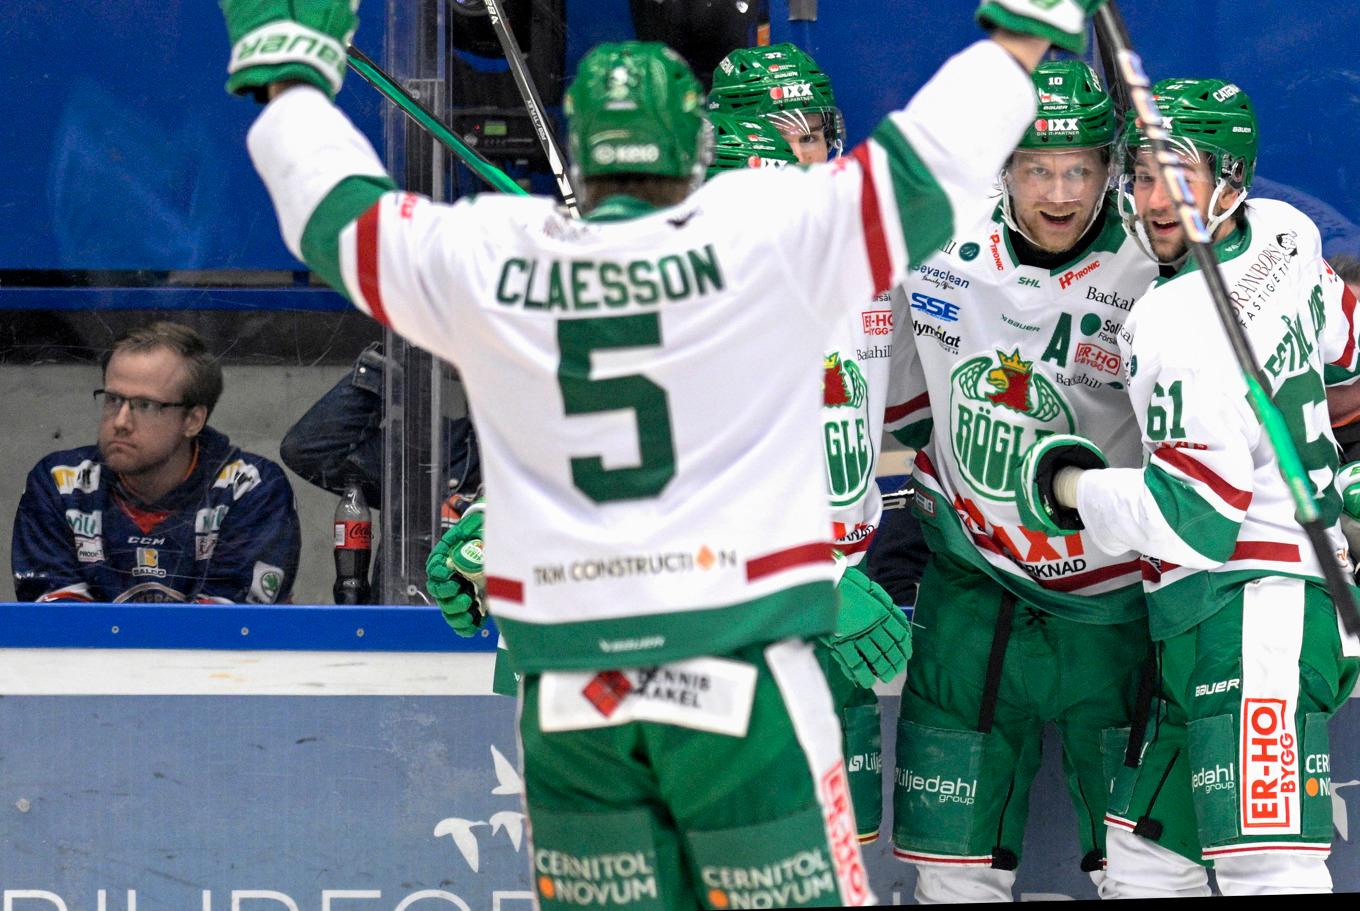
<point x="875" y="241"/>
<point x="788" y="558"/>
<point x="508" y="589"/>
<point x="1348" y="308"/>
<point x="1237" y="499"/>
<point x="897" y="412"/>
<point x="366" y="243"/>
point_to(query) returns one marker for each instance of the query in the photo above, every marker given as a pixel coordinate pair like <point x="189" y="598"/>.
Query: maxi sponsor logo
<point x="595" y="880"/>
<point x="1270" y="767"/>
<point x="795" y="881"/>
<point x="631" y="565"/>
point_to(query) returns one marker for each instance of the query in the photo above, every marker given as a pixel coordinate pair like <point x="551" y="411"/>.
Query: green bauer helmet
<point x="1209" y="120"/>
<point x="747" y="142"/>
<point x="636" y="108"/>
<point x="1074" y="109"/>
<point x="780" y="82"/>
<point x="1074" y="112"/>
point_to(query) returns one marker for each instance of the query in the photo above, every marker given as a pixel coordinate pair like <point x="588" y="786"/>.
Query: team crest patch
<point x="851" y="453"/>
<point x="1000" y="406"/>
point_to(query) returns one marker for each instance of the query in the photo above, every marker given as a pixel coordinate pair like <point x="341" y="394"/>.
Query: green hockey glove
<point x="1040" y="508"/>
<point x="284" y="40"/>
<point x="1348" y="484"/>
<point x="454" y="576"/>
<point x="872" y="637"/>
<point x="1060" y="22"/>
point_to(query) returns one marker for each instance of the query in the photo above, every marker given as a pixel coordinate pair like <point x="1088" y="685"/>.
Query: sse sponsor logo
<point x="935" y="306"/>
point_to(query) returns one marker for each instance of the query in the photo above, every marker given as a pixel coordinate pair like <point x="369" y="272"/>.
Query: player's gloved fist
<point x="1061" y="22"/>
<point x="454" y="575"/>
<point x="285" y="40"/>
<point x="1348" y="484"/>
<point x="1035" y="496"/>
<point x="872" y="637"/>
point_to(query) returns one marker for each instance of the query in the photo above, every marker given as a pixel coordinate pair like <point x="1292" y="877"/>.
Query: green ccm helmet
<point x="1209" y="120"/>
<point x="636" y="108"/>
<point x="781" y="83"/>
<point x="747" y="142"/>
<point x="1073" y="112"/>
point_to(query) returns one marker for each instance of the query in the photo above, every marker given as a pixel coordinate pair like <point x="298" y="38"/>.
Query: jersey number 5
<point x="576" y="339"/>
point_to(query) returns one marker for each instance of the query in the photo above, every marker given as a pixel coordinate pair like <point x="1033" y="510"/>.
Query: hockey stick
<point x="532" y="102"/>
<point x="1130" y="66"/>
<point x="388" y="87"/>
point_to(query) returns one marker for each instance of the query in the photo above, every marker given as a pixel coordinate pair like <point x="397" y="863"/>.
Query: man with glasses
<point x="163" y="508"/>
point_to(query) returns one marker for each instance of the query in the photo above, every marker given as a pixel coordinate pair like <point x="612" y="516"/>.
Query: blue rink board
<point x="396" y="799"/>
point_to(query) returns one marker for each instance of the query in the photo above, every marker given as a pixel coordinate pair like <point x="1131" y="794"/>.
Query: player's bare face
<point x="1156" y="209"/>
<point x="136" y="442"/>
<point x="1054" y="194"/>
<point x="805" y="135"/>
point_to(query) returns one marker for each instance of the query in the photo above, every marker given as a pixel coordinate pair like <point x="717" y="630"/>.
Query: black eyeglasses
<point x="112" y="403"/>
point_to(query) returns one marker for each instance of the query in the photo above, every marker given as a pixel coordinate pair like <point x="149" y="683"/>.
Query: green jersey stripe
<point x="923" y="206"/>
<point x="349" y="199"/>
<point x="1193" y="518"/>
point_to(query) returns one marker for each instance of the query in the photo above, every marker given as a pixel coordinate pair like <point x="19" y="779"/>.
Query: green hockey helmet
<point x="747" y="142"/>
<point x="1208" y="120"/>
<point x="636" y="108"/>
<point x="1074" y="109"/>
<point x="782" y="83"/>
<point x="1205" y="117"/>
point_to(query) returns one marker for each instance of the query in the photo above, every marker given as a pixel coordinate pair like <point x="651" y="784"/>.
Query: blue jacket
<point x="228" y="534"/>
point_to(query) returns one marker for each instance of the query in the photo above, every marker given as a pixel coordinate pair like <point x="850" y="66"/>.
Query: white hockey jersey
<point x="855" y="386"/>
<point x="645" y="384"/>
<point x="1004" y="354"/>
<point x="1210" y="496"/>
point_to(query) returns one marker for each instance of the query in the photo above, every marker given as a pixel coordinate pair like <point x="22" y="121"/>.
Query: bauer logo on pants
<point x="1270" y="763"/>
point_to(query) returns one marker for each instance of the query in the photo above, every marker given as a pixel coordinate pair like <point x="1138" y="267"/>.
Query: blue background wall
<point x="124" y="153"/>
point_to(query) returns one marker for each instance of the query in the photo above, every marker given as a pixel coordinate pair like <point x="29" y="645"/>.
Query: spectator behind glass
<point x="1344" y="401"/>
<point x="163" y="508"/>
<point x="340" y="437"/>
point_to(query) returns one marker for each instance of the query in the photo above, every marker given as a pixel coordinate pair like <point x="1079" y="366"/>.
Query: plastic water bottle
<point x="353" y="546"/>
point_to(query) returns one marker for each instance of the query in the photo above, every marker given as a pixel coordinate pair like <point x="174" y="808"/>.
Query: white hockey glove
<point x="1060" y="22"/>
<point x="1045" y="493"/>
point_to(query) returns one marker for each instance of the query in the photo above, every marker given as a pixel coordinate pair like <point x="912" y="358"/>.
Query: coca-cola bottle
<point x="353" y="545"/>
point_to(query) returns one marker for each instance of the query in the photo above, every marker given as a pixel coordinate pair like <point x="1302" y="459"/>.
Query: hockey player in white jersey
<point x="1233" y="770"/>
<point x="783" y="86"/>
<point x="646" y="394"/>
<point x="1013" y="337"/>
